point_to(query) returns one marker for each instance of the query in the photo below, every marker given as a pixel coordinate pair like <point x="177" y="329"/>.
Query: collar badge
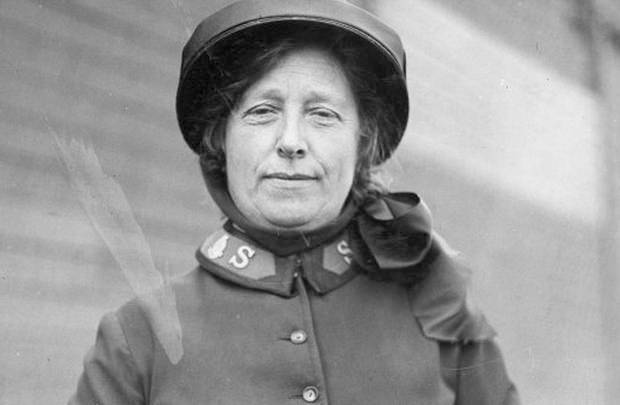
<point x="216" y="250"/>
<point x="243" y="256"/>
<point x="345" y="251"/>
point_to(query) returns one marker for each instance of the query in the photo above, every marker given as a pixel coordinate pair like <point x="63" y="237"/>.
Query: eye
<point x="324" y="116"/>
<point x="260" y="114"/>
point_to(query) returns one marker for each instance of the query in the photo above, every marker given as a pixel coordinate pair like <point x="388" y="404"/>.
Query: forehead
<point x="313" y="71"/>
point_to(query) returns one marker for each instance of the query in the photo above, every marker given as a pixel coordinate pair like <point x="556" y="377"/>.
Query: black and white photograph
<point x="336" y="202"/>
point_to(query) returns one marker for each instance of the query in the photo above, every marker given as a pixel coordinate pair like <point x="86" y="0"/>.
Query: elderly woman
<point x="321" y="287"/>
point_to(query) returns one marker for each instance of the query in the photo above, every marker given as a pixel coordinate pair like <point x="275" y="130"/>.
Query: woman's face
<point x="291" y="143"/>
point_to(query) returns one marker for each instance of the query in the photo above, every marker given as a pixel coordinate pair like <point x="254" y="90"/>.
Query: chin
<point x="293" y="216"/>
<point x="292" y="222"/>
<point x="299" y="213"/>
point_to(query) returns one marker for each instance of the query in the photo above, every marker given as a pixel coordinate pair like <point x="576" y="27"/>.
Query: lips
<point x="290" y="176"/>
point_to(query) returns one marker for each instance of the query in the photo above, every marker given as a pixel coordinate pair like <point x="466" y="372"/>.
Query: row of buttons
<point x="310" y="393"/>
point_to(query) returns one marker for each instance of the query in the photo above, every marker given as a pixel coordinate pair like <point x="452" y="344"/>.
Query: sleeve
<point x="477" y="374"/>
<point x="110" y="375"/>
<point x="471" y="361"/>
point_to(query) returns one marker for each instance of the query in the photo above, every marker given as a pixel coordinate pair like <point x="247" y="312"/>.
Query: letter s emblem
<point x="346" y="252"/>
<point x="242" y="258"/>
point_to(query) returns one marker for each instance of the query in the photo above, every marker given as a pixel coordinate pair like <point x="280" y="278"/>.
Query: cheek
<point x="240" y="172"/>
<point x="234" y="177"/>
<point x="343" y="158"/>
<point x="235" y="158"/>
<point x="237" y="144"/>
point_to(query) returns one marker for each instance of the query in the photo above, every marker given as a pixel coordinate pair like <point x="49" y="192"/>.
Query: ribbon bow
<point x="392" y="239"/>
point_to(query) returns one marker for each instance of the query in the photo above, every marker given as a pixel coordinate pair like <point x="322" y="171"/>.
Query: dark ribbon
<point x="392" y="239"/>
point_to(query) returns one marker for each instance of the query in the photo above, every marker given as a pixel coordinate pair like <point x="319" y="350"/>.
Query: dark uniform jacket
<point x="305" y="328"/>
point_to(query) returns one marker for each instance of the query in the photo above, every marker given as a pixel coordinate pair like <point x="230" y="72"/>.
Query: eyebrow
<point x="314" y="96"/>
<point x="317" y="96"/>
<point x="274" y="94"/>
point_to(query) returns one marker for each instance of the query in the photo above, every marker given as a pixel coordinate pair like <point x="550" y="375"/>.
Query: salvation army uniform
<point x="309" y="327"/>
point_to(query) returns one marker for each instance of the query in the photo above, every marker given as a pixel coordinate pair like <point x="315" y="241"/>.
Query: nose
<point x="291" y="143"/>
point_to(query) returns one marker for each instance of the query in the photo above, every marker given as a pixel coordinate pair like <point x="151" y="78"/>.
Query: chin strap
<point x="392" y="238"/>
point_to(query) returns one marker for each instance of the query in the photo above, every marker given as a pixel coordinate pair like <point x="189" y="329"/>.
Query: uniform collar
<point x="231" y="255"/>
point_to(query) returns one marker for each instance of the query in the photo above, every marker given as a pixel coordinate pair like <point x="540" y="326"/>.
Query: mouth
<point x="290" y="176"/>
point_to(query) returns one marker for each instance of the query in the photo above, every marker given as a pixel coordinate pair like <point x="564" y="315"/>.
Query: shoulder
<point x="152" y="322"/>
<point x="443" y="306"/>
<point x="177" y="291"/>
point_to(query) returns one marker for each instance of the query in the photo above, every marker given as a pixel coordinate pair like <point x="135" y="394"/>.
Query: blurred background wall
<point x="513" y="143"/>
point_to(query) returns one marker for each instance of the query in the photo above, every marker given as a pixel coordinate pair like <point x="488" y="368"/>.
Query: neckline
<point x="230" y="255"/>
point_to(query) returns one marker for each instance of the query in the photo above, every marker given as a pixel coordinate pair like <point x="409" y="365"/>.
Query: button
<point x="298" y="337"/>
<point x="310" y="394"/>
